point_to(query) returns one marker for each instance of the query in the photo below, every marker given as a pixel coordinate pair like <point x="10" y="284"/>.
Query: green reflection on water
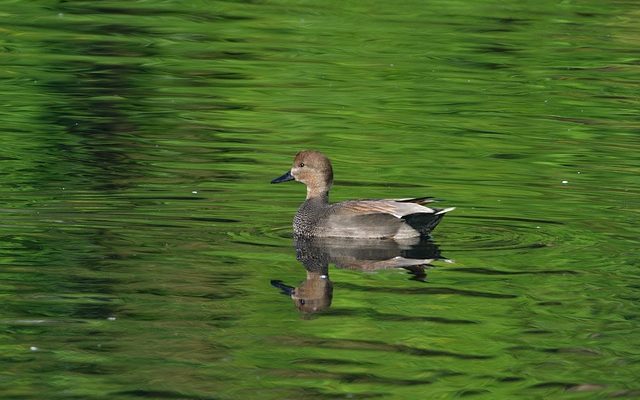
<point x="140" y="235"/>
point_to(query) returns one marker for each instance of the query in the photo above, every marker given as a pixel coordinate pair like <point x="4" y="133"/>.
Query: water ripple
<point x="374" y="314"/>
<point x="373" y="345"/>
<point x="503" y="233"/>
<point x="428" y="291"/>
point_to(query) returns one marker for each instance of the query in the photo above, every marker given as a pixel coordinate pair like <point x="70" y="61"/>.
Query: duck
<point x="374" y="219"/>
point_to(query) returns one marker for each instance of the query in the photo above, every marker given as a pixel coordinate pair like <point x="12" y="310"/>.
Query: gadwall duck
<point x="316" y="217"/>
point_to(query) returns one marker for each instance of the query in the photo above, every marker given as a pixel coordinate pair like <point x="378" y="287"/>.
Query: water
<point x="143" y="253"/>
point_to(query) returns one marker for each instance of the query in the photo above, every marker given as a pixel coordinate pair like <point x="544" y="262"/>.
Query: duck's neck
<point x="318" y="194"/>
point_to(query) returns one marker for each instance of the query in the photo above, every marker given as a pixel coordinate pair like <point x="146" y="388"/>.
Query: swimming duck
<point x="316" y="217"/>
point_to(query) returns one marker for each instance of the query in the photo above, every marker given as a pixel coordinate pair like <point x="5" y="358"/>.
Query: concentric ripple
<point x="475" y="233"/>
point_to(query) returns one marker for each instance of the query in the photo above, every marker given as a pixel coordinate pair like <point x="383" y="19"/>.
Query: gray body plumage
<point x="365" y="219"/>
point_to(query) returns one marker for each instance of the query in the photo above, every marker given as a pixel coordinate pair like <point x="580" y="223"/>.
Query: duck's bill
<point x="286" y="289"/>
<point x="284" y="178"/>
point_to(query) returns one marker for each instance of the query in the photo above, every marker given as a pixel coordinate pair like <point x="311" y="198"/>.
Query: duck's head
<point x="313" y="169"/>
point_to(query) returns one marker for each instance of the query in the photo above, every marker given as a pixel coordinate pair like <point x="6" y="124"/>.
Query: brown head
<point x="313" y="169"/>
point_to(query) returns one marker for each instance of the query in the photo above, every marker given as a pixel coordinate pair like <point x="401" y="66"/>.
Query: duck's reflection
<point x="315" y="293"/>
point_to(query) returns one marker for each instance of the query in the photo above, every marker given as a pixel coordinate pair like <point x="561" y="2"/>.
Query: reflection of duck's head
<point x="314" y="294"/>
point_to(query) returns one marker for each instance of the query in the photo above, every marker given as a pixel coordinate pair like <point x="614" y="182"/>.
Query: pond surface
<point x="144" y="254"/>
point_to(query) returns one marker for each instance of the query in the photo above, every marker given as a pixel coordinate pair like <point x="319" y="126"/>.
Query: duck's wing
<point x="417" y="200"/>
<point x="395" y="208"/>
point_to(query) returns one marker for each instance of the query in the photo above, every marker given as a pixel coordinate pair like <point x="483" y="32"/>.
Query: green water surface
<point x="139" y="234"/>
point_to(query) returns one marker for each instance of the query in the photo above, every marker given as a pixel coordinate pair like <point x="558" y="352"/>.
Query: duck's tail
<point x="426" y="222"/>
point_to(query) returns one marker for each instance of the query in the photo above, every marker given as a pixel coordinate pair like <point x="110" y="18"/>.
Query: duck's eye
<point x="301" y="165"/>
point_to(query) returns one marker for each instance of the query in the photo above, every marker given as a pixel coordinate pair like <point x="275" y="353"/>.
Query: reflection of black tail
<point x="425" y="250"/>
<point x="285" y="289"/>
<point x="418" y="272"/>
<point x="423" y="222"/>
